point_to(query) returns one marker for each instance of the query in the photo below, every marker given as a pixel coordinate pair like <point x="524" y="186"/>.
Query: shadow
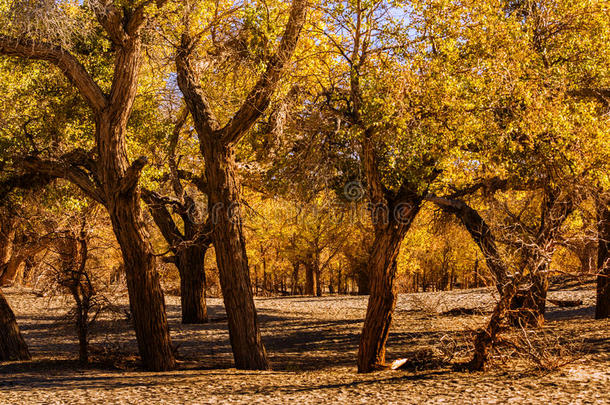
<point x="362" y="384"/>
<point x="562" y="314"/>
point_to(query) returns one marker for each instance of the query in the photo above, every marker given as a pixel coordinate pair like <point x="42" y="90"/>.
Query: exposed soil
<point x="312" y="344"/>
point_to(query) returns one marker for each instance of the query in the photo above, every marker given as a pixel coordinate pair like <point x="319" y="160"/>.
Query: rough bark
<point x="217" y="147"/>
<point x="12" y="344"/>
<point x="191" y="265"/>
<point x="382" y="299"/>
<point x="602" y="307"/>
<point x="229" y="245"/>
<point x="110" y="179"/>
<point x="189" y="249"/>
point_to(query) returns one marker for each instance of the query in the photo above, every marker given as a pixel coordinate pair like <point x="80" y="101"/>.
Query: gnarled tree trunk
<point x="109" y="178"/>
<point x="12" y="344"/>
<point x="382" y="299"/>
<point x="217" y="143"/>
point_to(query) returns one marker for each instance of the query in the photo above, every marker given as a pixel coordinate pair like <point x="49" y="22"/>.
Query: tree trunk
<point x="191" y="265"/>
<point x="310" y="279"/>
<point x="12" y="344"/>
<point x="382" y="269"/>
<point x="123" y="204"/>
<point x="482" y="235"/>
<point x="486" y="337"/>
<point x="602" y="307"/>
<point x="224" y="208"/>
<point x="318" y="277"/>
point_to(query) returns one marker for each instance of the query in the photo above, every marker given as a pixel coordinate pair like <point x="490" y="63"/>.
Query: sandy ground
<point x="312" y="344"/>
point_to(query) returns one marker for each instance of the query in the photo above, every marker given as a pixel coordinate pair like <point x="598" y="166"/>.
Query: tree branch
<point x="259" y="97"/>
<point x="66" y="62"/>
<point x="132" y="175"/>
<point x="63" y="170"/>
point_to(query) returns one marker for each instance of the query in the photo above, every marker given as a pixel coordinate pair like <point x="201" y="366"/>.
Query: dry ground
<point x="312" y="343"/>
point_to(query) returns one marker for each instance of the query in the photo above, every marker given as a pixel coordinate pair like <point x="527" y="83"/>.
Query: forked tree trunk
<point x="12" y="344"/>
<point x="602" y="307"/>
<point x="224" y="208"/>
<point x="110" y="179"/>
<point x="217" y="144"/>
<point x="382" y="300"/>
<point x="189" y="248"/>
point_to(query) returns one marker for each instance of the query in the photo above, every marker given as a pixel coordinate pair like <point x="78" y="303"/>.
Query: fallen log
<point x="565" y="303"/>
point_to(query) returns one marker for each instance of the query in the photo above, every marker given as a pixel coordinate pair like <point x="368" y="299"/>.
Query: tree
<point x="105" y="173"/>
<point x="217" y="145"/>
<point x="190" y="245"/>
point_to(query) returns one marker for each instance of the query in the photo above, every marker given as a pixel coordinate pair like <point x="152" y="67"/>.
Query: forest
<point x="390" y="192"/>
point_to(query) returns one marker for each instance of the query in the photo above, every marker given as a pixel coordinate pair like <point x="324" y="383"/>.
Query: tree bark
<point x="382" y="300"/>
<point x="602" y="307"/>
<point x="217" y="144"/>
<point x="189" y="249"/>
<point x="12" y="344"/>
<point x="310" y="278"/>
<point x="223" y="199"/>
<point x="191" y="265"/>
<point x="119" y="182"/>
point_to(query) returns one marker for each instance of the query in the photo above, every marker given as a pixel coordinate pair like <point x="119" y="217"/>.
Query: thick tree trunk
<point x="122" y="196"/>
<point x="382" y="300"/>
<point x="191" y="265"/>
<point x="12" y="344"/>
<point x="145" y="295"/>
<point x="310" y="279"/>
<point x="602" y="307"/>
<point x="224" y="208"/>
